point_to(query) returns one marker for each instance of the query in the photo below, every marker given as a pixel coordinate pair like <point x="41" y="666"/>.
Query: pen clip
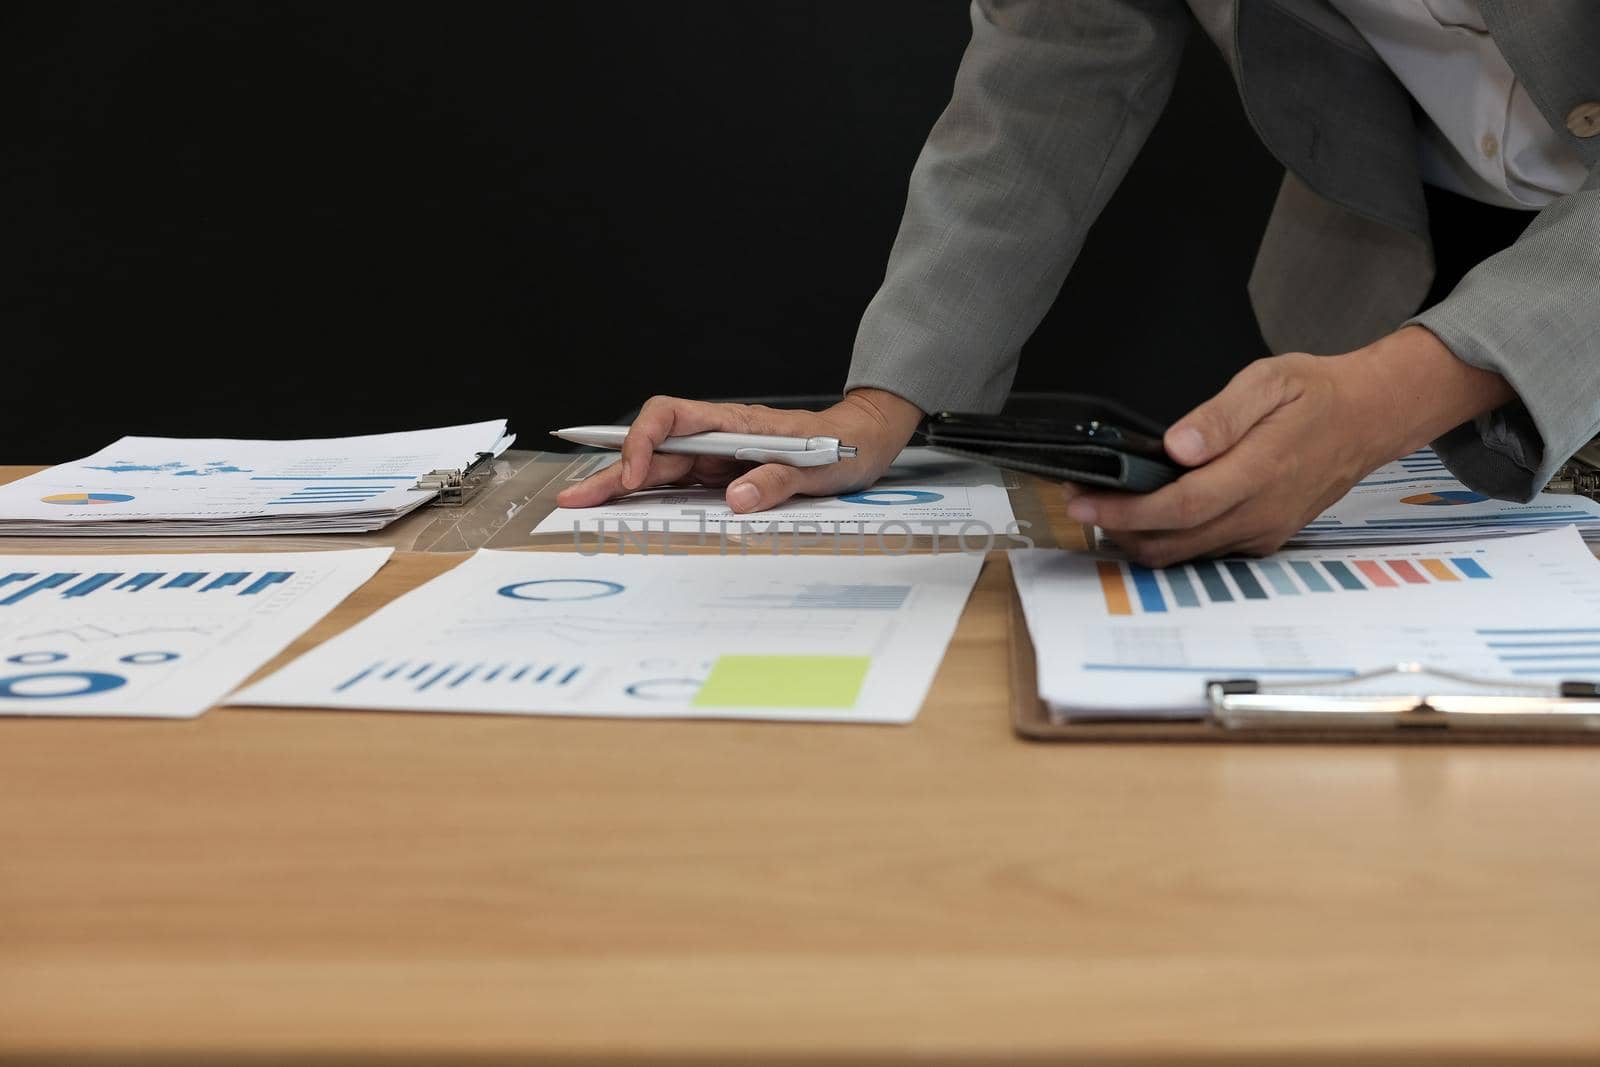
<point x="809" y="457"/>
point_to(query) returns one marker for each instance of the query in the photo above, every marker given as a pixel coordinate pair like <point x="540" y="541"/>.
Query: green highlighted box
<point x="783" y="682"/>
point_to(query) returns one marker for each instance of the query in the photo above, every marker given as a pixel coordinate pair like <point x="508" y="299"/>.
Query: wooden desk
<point x="365" y="887"/>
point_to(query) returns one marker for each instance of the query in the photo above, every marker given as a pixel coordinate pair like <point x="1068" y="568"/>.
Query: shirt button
<point x="1584" y="120"/>
<point x="1491" y="146"/>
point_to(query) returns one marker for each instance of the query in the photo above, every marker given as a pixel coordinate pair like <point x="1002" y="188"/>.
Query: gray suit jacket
<point x="1053" y="100"/>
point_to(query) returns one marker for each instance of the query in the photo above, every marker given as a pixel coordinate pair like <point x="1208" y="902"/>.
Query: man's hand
<point x="876" y="422"/>
<point x="1286" y="439"/>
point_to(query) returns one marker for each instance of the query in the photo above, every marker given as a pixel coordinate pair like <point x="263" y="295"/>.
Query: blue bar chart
<point x="332" y="494"/>
<point x="90" y="584"/>
<point x="828" y="596"/>
<point x="851" y="597"/>
<point x="1130" y="589"/>
<point x="1423" y="465"/>
<point x="1423" y="461"/>
<point x="1549" y="651"/>
<point x="19" y="586"/>
<point x="421" y="676"/>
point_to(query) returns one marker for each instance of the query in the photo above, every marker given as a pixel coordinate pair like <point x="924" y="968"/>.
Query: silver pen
<point x="751" y="448"/>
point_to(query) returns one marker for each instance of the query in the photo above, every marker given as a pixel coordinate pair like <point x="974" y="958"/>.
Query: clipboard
<point x="1243" y="713"/>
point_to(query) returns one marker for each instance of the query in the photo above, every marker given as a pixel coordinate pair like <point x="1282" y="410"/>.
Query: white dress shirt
<point x="1485" y="138"/>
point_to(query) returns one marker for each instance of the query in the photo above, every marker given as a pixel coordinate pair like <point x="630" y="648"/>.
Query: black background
<point x="308" y="219"/>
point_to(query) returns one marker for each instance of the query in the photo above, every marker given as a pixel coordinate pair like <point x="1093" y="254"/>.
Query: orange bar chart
<point x="1114" y="588"/>
<point x="1439" y="569"/>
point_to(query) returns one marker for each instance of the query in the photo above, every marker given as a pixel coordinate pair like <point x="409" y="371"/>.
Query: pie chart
<point x="1444" y="498"/>
<point x="87" y="498"/>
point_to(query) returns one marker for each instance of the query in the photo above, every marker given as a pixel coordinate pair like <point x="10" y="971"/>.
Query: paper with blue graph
<point x="924" y="493"/>
<point x="845" y="639"/>
<point x="1114" y="639"/>
<point x="156" y="636"/>
<point x="1415" y="499"/>
<point x="169" y="486"/>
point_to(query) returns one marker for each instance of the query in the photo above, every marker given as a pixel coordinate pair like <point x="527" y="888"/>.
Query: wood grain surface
<point x="371" y="887"/>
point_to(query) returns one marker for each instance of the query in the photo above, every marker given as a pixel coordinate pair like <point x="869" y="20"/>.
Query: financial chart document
<point x="156" y="636"/>
<point x="846" y="639"/>
<point x="923" y="493"/>
<point x="162" y="486"/>
<point x="1415" y="498"/>
<point x="1115" y="638"/>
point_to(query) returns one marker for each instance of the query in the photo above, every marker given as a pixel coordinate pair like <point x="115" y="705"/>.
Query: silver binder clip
<point x="1469" y="701"/>
<point x="455" y="487"/>
<point x="1580" y="474"/>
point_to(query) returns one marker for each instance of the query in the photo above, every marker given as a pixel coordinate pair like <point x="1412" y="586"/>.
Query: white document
<point x="163" y="486"/>
<point x="1114" y="639"/>
<point x="923" y="494"/>
<point x="846" y="639"/>
<point x="157" y="636"/>
<point x="1415" y="499"/>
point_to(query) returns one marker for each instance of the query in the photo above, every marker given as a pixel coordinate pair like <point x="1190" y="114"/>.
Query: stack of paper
<point x="1415" y="499"/>
<point x="166" y="486"/>
<point x="845" y="639"/>
<point x="1117" y="640"/>
<point x="156" y="636"/>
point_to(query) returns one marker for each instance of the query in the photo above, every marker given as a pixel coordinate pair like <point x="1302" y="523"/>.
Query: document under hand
<point x="156" y="636"/>
<point x="169" y="486"/>
<point x="1117" y="640"/>
<point x="845" y="639"/>
<point x="923" y="493"/>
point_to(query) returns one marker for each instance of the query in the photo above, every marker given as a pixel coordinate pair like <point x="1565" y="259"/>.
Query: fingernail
<point x="1081" y="511"/>
<point x="627" y="474"/>
<point x="1187" y="445"/>
<point x="743" y="496"/>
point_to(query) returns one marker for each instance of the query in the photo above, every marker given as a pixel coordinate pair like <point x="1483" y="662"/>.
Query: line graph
<point x="93" y="633"/>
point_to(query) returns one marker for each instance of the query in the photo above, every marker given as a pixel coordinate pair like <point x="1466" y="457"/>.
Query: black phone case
<point x="1050" y="445"/>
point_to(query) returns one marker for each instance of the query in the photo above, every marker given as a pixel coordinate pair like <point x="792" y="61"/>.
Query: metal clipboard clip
<point x="1244" y="703"/>
<point x="456" y="486"/>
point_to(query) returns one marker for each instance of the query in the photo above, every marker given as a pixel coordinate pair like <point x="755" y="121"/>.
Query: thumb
<point x="1217" y="425"/>
<point x="768" y="486"/>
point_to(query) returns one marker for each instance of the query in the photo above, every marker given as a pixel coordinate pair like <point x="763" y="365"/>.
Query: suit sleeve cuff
<point x="1529" y="315"/>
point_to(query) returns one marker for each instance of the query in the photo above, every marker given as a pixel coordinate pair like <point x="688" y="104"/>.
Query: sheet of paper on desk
<point x="923" y="493"/>
<point x="846" y="639"/>
<point x="165" y="486"/>
<point x="1415" y="499"/>
<point x="156" y="636"/>
<point x="1114" y="639"/>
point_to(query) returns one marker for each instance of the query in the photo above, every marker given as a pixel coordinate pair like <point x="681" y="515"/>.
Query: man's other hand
<point x="1286" y="439"/>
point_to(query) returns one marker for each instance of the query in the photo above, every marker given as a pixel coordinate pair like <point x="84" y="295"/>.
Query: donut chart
<point x="889" y="497"/>
<point x="51" y="685"/>
<point x="1444" y="498"/>
<point x="557" y="589"/>
<point x="86" y="498"/>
